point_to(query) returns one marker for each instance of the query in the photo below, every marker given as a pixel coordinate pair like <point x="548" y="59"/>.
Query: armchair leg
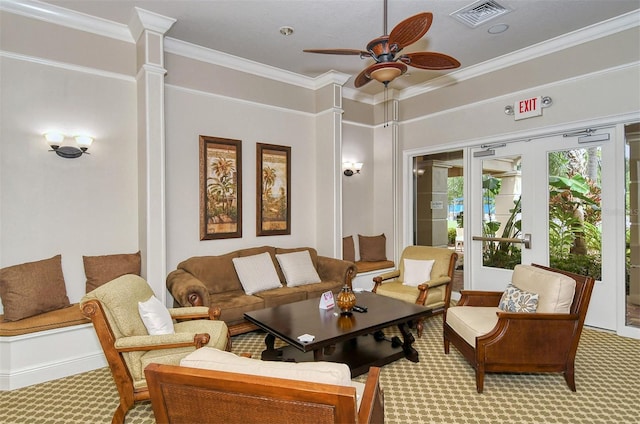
<point x="480" y="378"/>
<point x="446" y="346"/>
<point x="121" y="412"/>
<point x="569" y="377"/>
<point x="420" y="326"/>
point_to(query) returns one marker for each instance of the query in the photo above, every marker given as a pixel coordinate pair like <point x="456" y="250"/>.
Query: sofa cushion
<point x="348" y="249"/>
<point x="555" y="291"/>
<point x="515" y="300"/>
<point x="312" y="252"/>
<point x="472" y="321"/>
<point x="417" y="271"/>
<point x="156" y="317"/>
<point x="234" y="304"/>
<point x="33" y="288"/>
<point x="65" y="317"/>
<point x="216" y="272"/>
<point x="297" y="268"/>
<point x="104" y="268"/>
<point x="256" y="273"/>
<point x="316" y="372"/>
<point x="372" y="248"/>
<point x="282" y="296"/>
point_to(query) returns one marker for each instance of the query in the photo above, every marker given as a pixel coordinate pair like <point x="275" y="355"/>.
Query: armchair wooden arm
<point x="146" y="343"/>
<point x="479" y="298"/>
<point x="195" y="312"/>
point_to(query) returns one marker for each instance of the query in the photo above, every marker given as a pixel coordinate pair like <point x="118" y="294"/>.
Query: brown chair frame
<point x="182" y="394"/>
<point x="93" y="310"/>
<point x="424" y="291"/>
<point x="525" y="342"/>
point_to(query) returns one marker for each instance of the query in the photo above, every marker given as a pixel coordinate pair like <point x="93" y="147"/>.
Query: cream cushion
<point x="315" y="372"/>
<point x="298" y="268"/>
<point x="417" y="271"/>
<point x="155" y="316"/>
<point x="256" y="273"/>
<point x="555" y="291"/>
<point x="472" y="321"/>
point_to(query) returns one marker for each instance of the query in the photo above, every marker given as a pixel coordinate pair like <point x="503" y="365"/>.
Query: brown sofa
<point x="213" y="281"/>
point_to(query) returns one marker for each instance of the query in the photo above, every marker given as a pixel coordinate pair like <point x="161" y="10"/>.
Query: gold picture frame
<point x="273" y="190"/>
<point x="220" y="188"/>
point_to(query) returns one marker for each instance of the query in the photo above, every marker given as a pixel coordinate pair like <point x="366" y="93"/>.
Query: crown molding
<point x="203" y="54"/>
<point x="565" y="41"/>
<point x="60" y="16"/>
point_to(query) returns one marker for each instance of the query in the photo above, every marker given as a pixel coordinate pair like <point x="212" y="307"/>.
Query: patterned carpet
<point x="438" y="389"/>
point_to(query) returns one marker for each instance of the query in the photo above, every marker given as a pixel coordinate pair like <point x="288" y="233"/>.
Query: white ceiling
<point x="250" y="28"/>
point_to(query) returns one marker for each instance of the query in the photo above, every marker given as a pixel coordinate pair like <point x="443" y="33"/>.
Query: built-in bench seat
<point x="368" y="266"/>
<point x="65" y="317"/>
<point x="47" y="346"/>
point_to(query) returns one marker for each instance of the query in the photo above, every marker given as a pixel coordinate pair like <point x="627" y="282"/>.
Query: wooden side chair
<point x="493" y="338"/>
<point x="182" y="394"/>
<point x="127" y="345"/>
<point x="413" y="284"/>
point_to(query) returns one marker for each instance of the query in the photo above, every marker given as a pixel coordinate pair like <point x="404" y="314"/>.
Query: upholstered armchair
<point x="533" y="326"/>
<point x="423" y="277"/>
<point x="129" y="348"/>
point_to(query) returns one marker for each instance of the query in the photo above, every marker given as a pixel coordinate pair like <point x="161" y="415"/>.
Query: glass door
<point x="545" y="201"/>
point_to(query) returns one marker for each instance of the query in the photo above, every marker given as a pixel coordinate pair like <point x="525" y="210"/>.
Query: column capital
<point x="144" y="20"/>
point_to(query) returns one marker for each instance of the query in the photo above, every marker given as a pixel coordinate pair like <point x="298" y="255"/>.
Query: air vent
<point x="480" y="12"/>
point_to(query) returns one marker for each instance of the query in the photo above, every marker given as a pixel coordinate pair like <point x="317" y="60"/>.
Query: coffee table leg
<point x="318" y="355"/>
<point x="271" y="354"/>
<point x="409" y="352"/>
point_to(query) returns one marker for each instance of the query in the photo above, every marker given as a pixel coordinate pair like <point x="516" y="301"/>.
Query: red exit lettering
<point x="528" y="105"/>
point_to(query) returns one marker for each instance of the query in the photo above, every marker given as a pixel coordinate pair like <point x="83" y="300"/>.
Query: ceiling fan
<point x="384" y="50"/>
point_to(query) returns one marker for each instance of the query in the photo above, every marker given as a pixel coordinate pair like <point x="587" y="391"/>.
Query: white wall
<point x="191" y="113"/>
<point x="51" y="205"/>
<point x="357" y="190"/>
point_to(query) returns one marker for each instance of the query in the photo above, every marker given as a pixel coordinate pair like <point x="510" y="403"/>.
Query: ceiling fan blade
<point x="410" y="30"/>
<point x="362" y="78"/>
<point x="345" y="52"/>
<point x="429" y="60"/>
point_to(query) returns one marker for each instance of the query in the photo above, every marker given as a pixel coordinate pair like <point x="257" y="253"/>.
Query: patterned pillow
<point x="516" y="300"/>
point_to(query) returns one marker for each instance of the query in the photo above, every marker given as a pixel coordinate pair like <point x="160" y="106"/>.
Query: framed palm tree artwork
<point x="273" y="190"/>
<point x="220" y="188"/>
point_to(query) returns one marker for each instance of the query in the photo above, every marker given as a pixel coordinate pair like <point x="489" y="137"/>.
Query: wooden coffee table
<point x="356" y="340"/>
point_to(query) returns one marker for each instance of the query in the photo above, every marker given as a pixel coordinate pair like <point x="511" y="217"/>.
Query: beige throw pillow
<point x="33" y="288"/>
<point x="256" y="273"/>
<point x="298" y="268"/>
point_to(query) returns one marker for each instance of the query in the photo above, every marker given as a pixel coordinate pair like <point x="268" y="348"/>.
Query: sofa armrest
<point x="435" y="282"/>
<point x="332" y="269"/>
<point x="186" y="289"/>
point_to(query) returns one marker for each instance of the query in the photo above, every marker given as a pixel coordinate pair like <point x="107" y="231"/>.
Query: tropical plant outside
<point x="575" y="220"/>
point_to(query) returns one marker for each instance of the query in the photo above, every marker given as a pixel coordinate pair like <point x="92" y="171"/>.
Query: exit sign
<point x="527" y="108"/>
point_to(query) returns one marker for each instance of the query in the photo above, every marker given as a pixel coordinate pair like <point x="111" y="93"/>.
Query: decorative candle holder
<point x="346" y="300"/>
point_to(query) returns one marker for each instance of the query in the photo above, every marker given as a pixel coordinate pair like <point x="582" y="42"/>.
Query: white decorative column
<point x="148" y="30"/>
<point x="329" y="168"/>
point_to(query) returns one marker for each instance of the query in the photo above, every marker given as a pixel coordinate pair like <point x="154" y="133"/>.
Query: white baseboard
<point x="48" y="355"/>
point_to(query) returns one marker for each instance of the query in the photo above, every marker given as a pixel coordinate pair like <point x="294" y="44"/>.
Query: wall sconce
<point x="351" y="168"/>
<point x="69" y="152"/>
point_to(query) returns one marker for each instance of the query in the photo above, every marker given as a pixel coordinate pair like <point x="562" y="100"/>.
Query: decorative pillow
<point x="298" y="268"/>
<point x="256" y="273"/>
<point x="33" y="288"/>
<point x="316" y="372"/>
<point x="373" y="248"/>
<point x="417" y="272"/>
<point x="516" y="300"/>
<point x="102" y="269"/>
<point x="348" y="249"/>
<point x="156" y="317"/>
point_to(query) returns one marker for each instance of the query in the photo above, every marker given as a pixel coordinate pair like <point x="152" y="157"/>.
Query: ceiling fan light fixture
<point x="387" y="72"/>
